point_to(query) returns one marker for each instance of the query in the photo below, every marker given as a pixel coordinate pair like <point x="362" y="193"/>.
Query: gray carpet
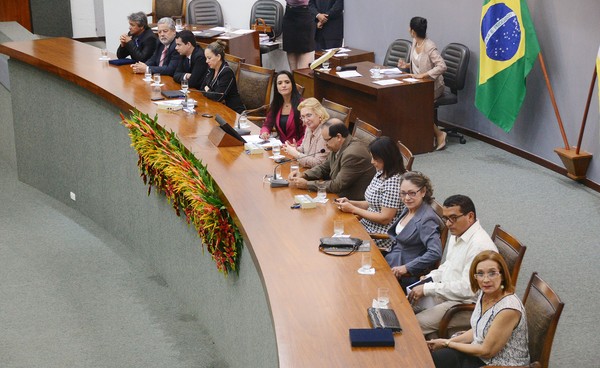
<point x="73" y="296"/>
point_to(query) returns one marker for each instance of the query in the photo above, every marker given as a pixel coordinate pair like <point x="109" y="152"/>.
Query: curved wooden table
<point x="313" y="298"/>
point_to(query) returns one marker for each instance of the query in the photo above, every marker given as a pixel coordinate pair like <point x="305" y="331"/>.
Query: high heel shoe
<point x="441" y="143"/>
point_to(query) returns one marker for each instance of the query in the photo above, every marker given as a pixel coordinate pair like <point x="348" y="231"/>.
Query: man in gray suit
<point x="347" y="170"/>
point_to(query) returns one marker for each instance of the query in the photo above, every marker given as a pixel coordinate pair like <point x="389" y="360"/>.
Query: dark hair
<point x="420" y="180"/>
<point x="465" y="203"/>
<point x="385" y="149"/>
<point x="490" y="255"/>
<point x="336" y="126"/>
<point x="187" y="37"/>
<point x="419" y="25"/>
<point x="277" y="102"/>
<point x="217" y="48"/>
<point x="139" y="18"/>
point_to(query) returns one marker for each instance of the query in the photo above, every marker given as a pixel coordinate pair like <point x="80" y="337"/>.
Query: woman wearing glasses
<point x="416" y="234"/>
<point x="312" y="150"/>
<point x="381" y="206"/>
<point x="498" y="334"/>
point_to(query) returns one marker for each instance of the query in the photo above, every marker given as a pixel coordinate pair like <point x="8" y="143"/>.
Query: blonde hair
<point x="315" y="105"/>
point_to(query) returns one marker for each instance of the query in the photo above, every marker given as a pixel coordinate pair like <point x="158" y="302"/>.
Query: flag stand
<point x="575" y="161"/>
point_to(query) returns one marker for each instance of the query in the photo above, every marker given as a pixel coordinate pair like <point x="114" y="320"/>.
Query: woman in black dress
<point x="219" y="83"/>
<point x="298" y="34"/>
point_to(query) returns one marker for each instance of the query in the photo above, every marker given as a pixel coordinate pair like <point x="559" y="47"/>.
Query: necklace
<point x="421" y="43"/>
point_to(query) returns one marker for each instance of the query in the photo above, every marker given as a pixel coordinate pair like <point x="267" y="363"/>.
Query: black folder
<point x="371" y="337"/>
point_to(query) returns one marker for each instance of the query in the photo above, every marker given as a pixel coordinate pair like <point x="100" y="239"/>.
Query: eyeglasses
<point x="328" y="139"/>
<point x="307" y="116"/>
<point x="410" y="194"/>
<point x="491" y="275"/>
<point x="452" y="219"/>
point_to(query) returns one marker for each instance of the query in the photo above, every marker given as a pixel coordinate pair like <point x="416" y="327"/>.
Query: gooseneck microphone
<point x="345" y="67"/>
<point x="278" y="183"/>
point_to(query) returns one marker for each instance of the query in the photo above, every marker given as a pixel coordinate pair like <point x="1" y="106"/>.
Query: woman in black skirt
<point x="298" y="34"/>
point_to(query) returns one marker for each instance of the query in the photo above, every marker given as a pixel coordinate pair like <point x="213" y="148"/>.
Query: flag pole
<point x="587" y="109"/>
<point x="556" y="112"/>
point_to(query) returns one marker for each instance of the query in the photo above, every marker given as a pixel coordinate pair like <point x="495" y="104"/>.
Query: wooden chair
<point x="407" y="157"/>
<point x="365" y="131"/>
<point x="513" y="252"/>
<point x="234" y="63"/>
<point x="300" y="89"/>
<point x="167" y="8"/>
<point x="255" y="85"/>
<point x="543" y="308"/>
<point x="336" y="110"/>
<point x="205" y="12"/>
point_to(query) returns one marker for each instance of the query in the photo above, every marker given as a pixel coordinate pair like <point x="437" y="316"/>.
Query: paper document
<point x="349" y="74"/>
<point x="243" y="31"/>
<point x="341" y="54"/>
<point x="220" y="29"/>
<point x="387" y="82"/>
<point x="391" y="71"/>
<point x="341" y="49"/>
<point x="411" y="80"/>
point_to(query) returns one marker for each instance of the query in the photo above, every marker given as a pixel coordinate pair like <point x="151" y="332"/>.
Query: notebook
<point x="371" y="337"/>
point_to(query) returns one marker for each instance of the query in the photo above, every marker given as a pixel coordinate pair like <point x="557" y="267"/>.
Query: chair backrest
<point x="399" y="49"/>
<point x="168" y="8"/>
<point x="206" y="12"/>
<point x="271" y="11"/>
<point x="255" y="85"/>
<point x="456" y="56"/>
<point x="365" y="131"/>
<point x="407" y="157"/>
<point x="511" y="250"/>
<point x="335" y="110"/>
<point x="234" y="63"/>
<point x="439" y="210"/>
<point x="543" y="308"/>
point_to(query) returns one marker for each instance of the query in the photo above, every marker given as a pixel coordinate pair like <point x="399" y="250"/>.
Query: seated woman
<point x="426" y="62"/>
<point x="416" y="233"/>
<point x="220" y="79"/>
<point x="382" y="205"/>
<point x="283" y="112"/>
<point x="498" y="334"/>
<point x="308" y="153"/>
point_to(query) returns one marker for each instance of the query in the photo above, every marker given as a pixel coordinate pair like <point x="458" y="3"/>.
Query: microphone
<point x="278" y="183"/>
<point x="345" y="67"/>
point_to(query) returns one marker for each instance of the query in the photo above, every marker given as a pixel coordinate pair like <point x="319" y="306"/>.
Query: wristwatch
<point x="447" y="343"/>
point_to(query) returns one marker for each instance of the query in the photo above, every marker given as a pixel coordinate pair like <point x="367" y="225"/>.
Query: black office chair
<point x="399" y="49"/>
<point x="205" y="12"/>
<point x="272" y="13"/>
<point x="456" y="56"/>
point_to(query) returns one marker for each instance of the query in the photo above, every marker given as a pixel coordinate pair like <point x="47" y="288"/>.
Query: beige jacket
<point x="430" y="62"/>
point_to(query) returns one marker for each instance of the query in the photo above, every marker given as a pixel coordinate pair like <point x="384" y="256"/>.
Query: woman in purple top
<point x="298" y="34"/>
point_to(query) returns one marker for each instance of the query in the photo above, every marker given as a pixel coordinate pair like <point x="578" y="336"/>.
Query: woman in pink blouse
<point x="283" y="112"/>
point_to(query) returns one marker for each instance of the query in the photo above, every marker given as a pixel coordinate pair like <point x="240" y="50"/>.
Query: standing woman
<point x="283" y="111"/>
<point x="298" y="34"/>
<point x="426" y="62"/>
<point x="220" y="79"/>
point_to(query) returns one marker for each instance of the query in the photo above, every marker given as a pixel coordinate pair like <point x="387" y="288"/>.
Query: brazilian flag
<point x="508" y="48"/>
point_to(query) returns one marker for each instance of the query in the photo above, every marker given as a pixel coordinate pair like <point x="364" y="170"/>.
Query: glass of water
<point x="104" y="53"/>
<point x="366" y="261"/>
<point x="276" y="149"/>
<point x="191" y="104"/>
<point x="243" y="120"/>
<point x="338" y="227"/>
<point x="157" y="79"/>
<point x="321" y="191"/>
<point x="383" y="297"/>
<point x="326" y="64"/>
<point x="147" y="74"/>
<point x="184" y="85"/>
<point x="178" y="25"/>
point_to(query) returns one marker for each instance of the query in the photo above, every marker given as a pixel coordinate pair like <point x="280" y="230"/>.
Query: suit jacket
<point x="347" y="172"/>
<point x="334" y="28"/>
<point x="225" y="86"/>
<point x="290" y="127"/>
<point x="195" y="65"/>
<point x="432" y="63"/>
<point x="140" y="48"/>
<point x="418" y="246"/>
<point x="171" y="60"/>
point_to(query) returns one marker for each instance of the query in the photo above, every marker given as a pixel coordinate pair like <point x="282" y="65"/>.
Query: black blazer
<point x="171" y="60"/>
<point x="197" y="67"/>
<point x="334" y="28"/>
<point x="224" y="86"/>
<point x="140" y="48"/>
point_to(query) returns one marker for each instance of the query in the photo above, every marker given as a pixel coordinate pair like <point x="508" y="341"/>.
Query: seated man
<point x="139" y="42"/>
<point x="192" y="65"/>
<point x="165" y="59"/>
<point x="347" y="169"/>
<point x="451" y="283"/>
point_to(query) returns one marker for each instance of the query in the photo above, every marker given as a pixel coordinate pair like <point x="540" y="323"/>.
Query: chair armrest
<point x="379" y="236"/>
<point x="443" y="329"/>
<point x="260" y="111"/>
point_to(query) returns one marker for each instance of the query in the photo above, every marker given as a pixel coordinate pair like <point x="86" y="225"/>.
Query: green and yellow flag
<point x="508" y="48"/>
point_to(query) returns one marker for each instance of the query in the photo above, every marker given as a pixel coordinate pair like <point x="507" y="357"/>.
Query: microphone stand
<point x="279" y="183"/>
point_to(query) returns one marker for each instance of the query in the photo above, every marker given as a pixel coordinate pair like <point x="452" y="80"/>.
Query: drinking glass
<point x="338" y="227"/>
<point x="104" y="53"/>
<point x="178" y="25"/>
<point x="294" y="168"/>
<point x="326" y="64"/>
<point x="376" y="72"/>
<point x="191" y="104"/>
<point x="366" y="261"/>
<point x="383" y="296"/>
<point x="148" y="74"/>
<point x="184" y="85"/>
<point x="276" y="149"/>
<point x="321" y="191"/>
<point x="243" y="121"/>
<point x="156" y="78"/>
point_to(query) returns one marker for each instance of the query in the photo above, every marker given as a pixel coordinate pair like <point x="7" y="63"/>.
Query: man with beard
<point x="139" y="42"/>
<point x="165" y="59"/>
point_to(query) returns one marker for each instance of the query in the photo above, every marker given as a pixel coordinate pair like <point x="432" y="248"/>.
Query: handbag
<point x="334" y="245"/>
<point x="384" y="318"/>
<point x="261" y="27"/>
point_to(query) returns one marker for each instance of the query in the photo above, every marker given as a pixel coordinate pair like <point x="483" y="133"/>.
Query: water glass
<point x="191" y="104"/>
<point x="338" y="227"/>
<point x="104" y="53"/>
<point x="366" y="261"/>
<point x="148" y="74"/>
<point x="376" y="72"/>
<point x="276" y="149"/>
<point x="156" y="78"/>
<point x="243" y="121"/>
<point x="156" y="91"/>
<point x="178" y="25"/>
<point x="383" y="296"/>
<point x="184" y="85"/>
<point x="294" y="168"/>
<point x="321" y="191"/>
<point x="325" y="64"/>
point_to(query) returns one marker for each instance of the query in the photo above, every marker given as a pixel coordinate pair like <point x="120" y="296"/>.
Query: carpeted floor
<point x="72" y="296"/>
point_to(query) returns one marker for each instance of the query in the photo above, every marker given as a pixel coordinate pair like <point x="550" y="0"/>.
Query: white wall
<point x="115" y="18"/>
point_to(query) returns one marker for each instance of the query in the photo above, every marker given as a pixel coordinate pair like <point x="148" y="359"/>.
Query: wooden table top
<point x="314" y="298"/>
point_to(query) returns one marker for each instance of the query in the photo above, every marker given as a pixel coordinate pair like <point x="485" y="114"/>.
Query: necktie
<point x="163" y="56"/>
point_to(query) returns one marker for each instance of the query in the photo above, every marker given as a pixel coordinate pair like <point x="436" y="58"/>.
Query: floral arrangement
<point x="167" y="165"/>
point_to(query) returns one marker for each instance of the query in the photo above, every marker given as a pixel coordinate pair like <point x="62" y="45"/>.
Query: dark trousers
<point x="450" y="358"/>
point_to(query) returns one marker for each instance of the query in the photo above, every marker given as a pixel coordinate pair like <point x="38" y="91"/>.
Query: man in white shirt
<point x="451" y="284"/>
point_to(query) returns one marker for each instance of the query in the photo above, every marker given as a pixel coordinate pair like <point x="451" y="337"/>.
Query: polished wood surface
<point x="352" y="56"/>
<point x="313" y="298"/>
<point x="245" y="46"/>
<point x="16" y="10"/>
<point x="403" y="112"/>
<point x="305" y="77"/>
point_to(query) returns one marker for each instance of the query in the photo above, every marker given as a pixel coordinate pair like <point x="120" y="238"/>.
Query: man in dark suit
<point x="329" y="16"/>
<point x="165" y="59"/>
<point x="192" y="65"/>
<point x="347" y="170"/>
<point x="139" y="42"/>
